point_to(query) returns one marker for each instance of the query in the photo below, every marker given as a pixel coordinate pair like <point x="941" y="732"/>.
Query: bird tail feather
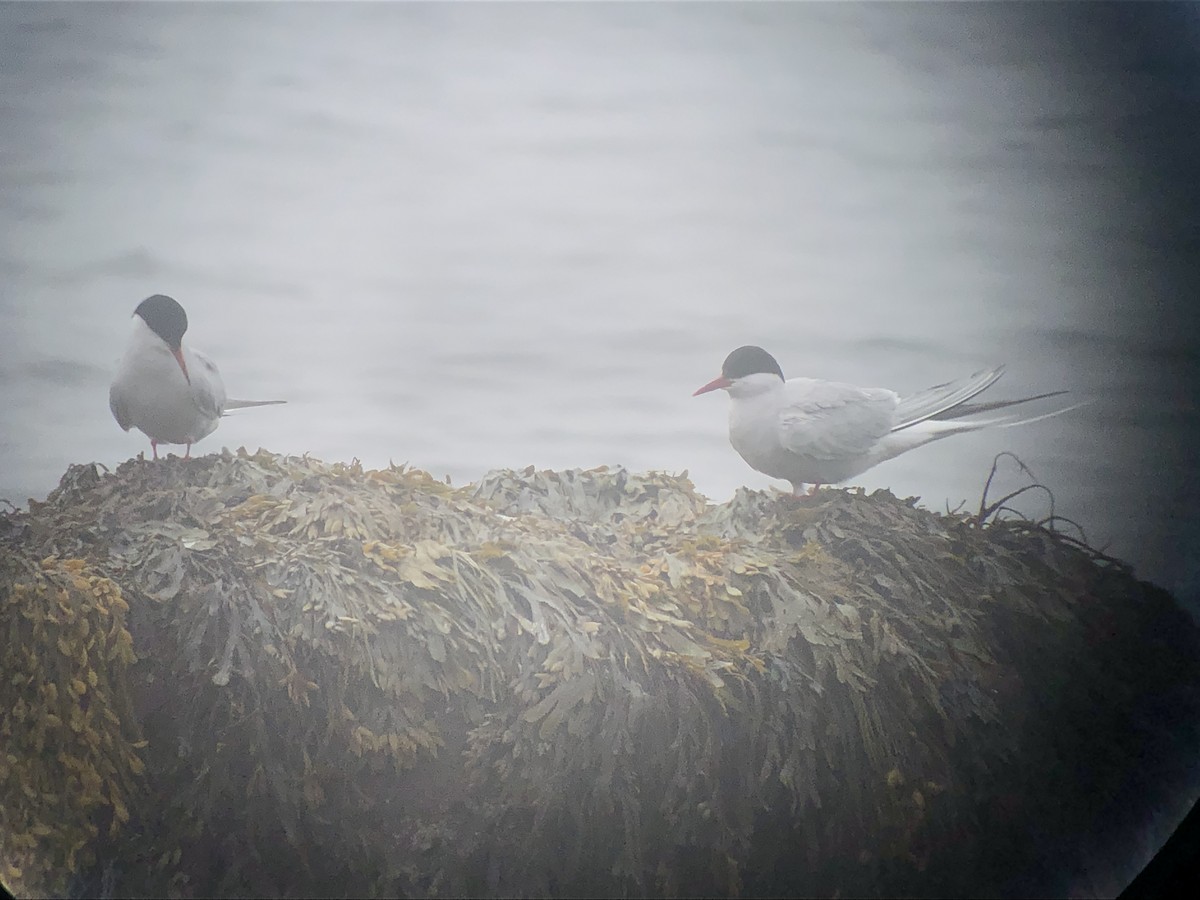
<point x="941" y="398"/>
<point x="935" y="428"/>
<point x="971" y="409"/>
<point x="246" y="404"/>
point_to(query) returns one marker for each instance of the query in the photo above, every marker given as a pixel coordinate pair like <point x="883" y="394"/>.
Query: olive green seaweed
<point x="249" y="674"/>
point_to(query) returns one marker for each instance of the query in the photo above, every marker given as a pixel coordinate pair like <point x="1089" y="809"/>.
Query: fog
<point x="479" y="236"/>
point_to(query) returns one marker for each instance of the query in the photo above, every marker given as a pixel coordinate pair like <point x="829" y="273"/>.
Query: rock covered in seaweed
<point x="370" y="682"/>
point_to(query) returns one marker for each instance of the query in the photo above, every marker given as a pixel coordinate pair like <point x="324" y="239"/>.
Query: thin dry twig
<point x="954" y="512"/>
<point x="1048" y="523"/>
<point x="986" y="511"/>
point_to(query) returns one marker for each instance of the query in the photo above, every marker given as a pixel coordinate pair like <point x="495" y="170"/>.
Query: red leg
<point x="187" y="454"/>
<point x="154" y="447"/>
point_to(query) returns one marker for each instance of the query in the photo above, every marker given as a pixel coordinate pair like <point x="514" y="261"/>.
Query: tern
<point x="808" y="431"/>
<point x="171" y="393"/>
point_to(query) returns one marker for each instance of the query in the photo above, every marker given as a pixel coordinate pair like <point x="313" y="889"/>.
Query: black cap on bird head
<point x="743" y="361"/>
<point x="749" y="360"/>
<point x="165" y="317"/>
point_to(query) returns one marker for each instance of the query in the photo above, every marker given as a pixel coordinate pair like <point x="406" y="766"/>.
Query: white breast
<point x="150" y="392"/>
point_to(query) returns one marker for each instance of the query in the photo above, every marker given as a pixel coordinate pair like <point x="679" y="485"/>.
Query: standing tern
<point x="171" y="393"/>
<point x="815" y="432"/>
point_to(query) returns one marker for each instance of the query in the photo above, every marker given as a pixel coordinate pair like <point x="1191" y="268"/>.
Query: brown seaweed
<point x="370" y="682"/>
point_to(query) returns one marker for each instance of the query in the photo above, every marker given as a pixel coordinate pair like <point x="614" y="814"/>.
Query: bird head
<point x="747" y="370"/>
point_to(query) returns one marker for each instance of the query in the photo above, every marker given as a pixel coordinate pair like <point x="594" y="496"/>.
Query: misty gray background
<point x="481" y="236"/>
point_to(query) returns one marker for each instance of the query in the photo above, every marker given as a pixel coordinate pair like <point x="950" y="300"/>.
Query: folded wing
<point x="831" y="421"/>
<point x="117" y="403"/>
<point x="935" y="402"/>
<point x="207" y="388"/>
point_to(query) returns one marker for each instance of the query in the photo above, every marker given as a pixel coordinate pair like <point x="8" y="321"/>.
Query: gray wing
<point x="827" y="420"/>
<point x="116" y="402"/>
<point x="208" y="390"/>
<point x="938" y="401"/>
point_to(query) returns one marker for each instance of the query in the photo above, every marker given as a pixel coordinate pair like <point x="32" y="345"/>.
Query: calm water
<point x="469" y="237"/>
<point x="474" y="236"/>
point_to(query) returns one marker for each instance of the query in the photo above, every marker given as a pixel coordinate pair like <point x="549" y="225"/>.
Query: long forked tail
<point x="944" y="409"/>
<point x="1010" y="421"/>
<point x="245" y="404"/>
<point x="940" y="399"/>
<point x="949" y="403"/>
<point x="971" y="409"/>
